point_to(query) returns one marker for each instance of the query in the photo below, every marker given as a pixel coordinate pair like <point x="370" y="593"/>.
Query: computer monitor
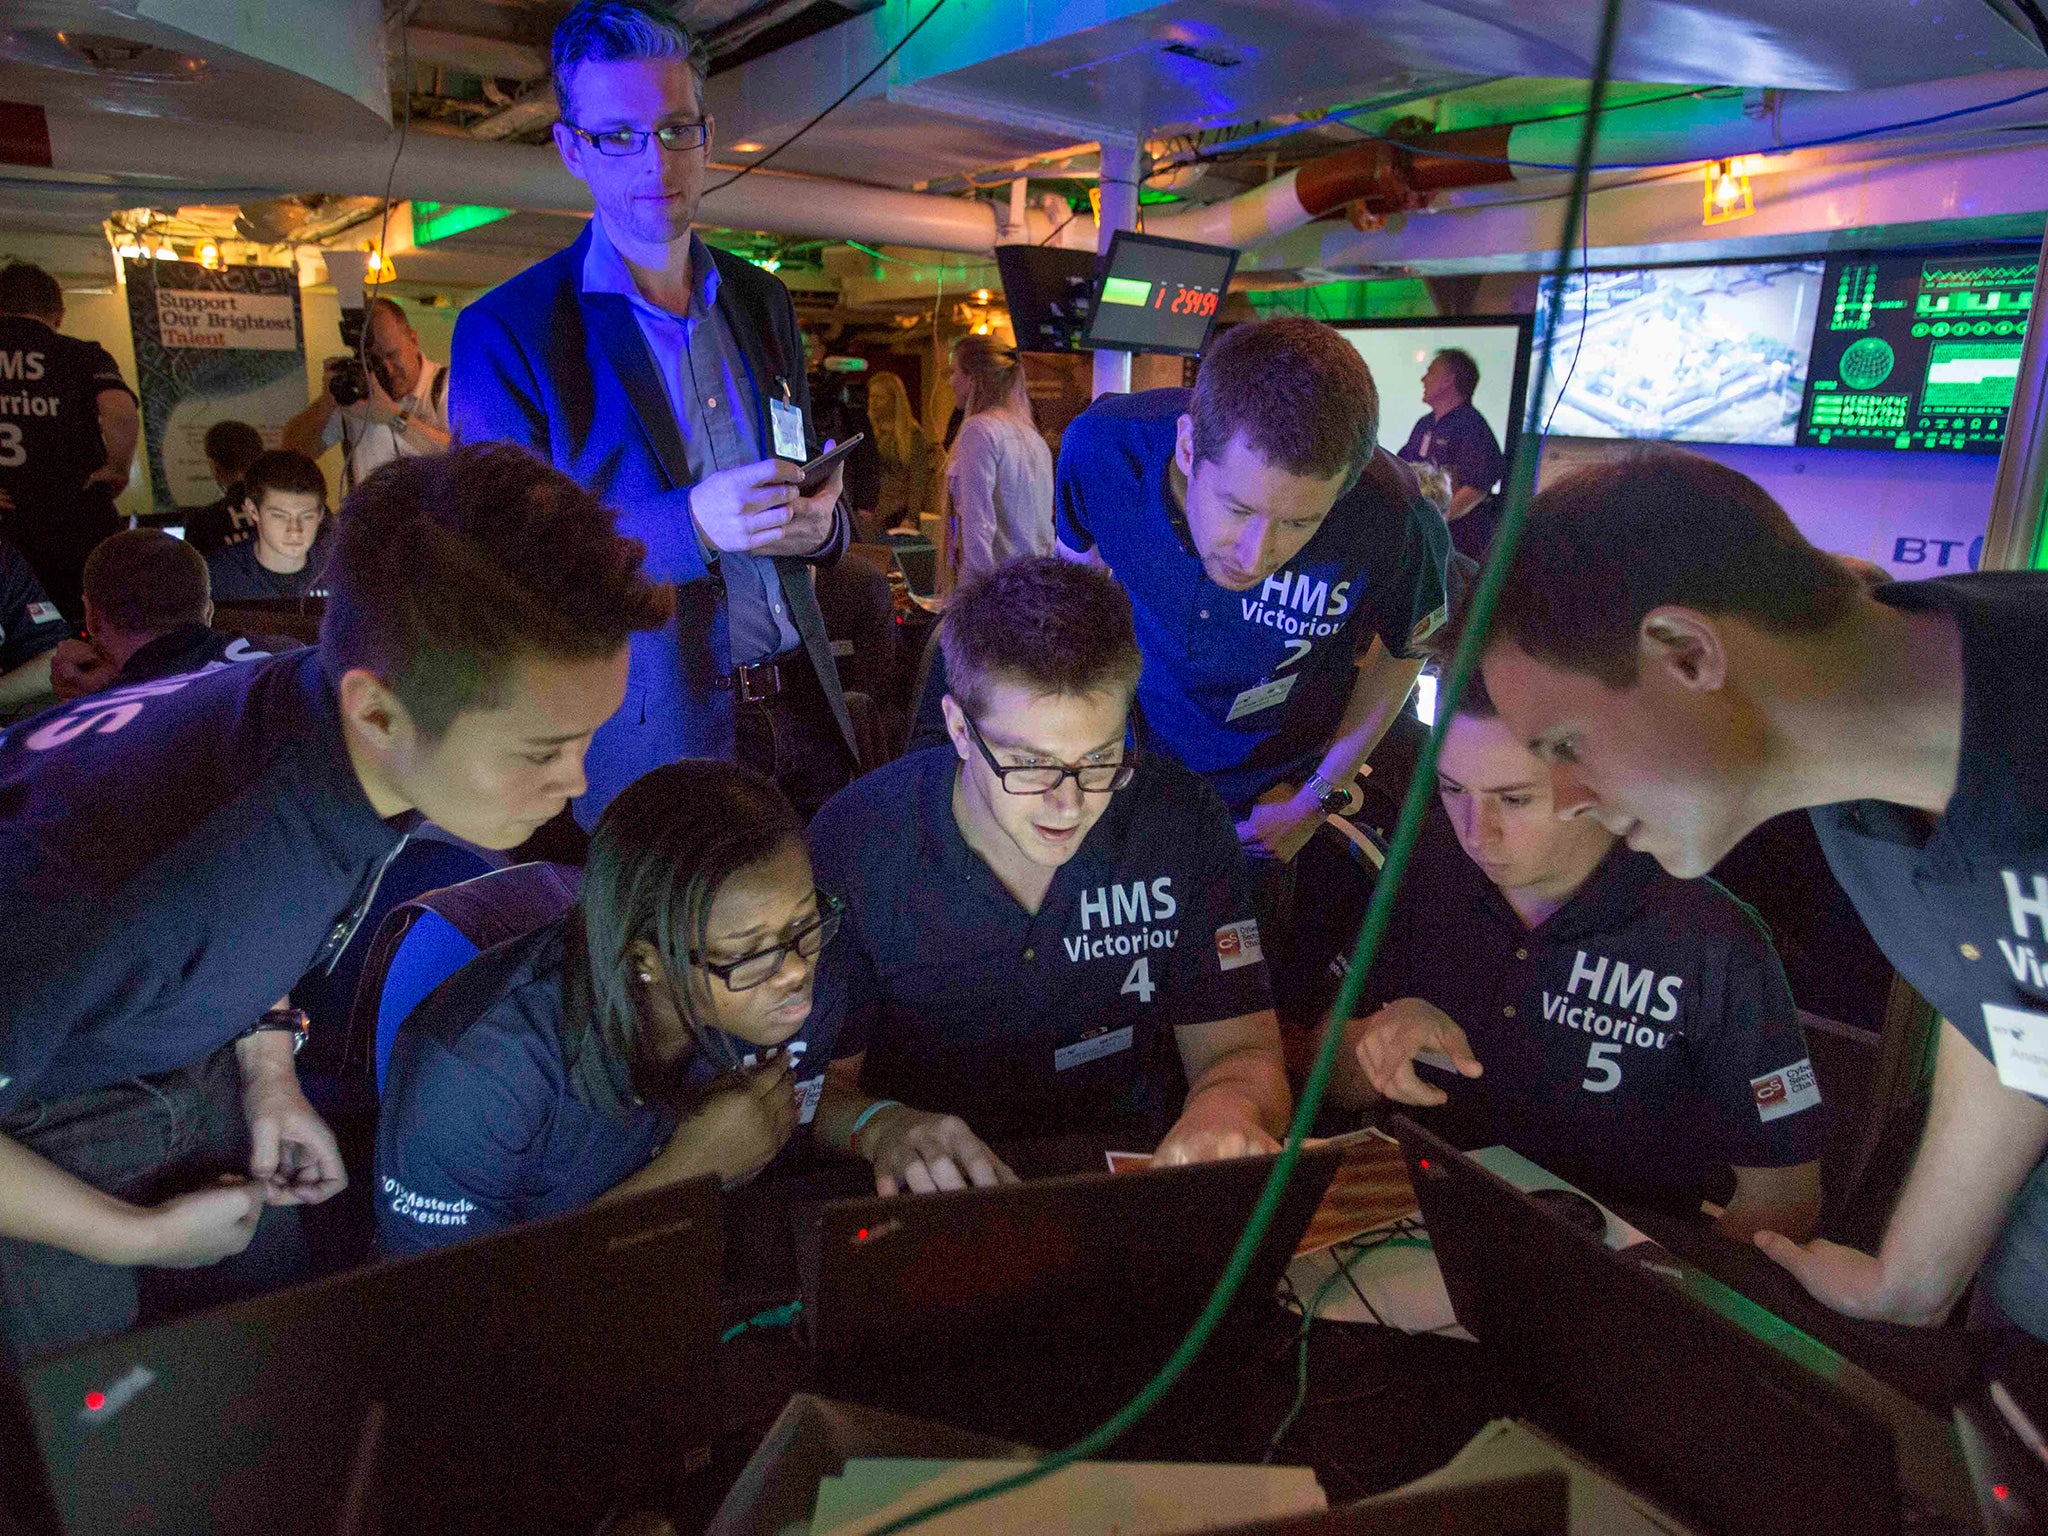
<point x="1049" y="292"/>
<point x="1159" y="295"/>
<point x="1611" y="1353"/>
<point x="1694" y="354"/>
<point x="1397" y="352"/>
<point x="1918" y="352"/>
<point x="525" y="1381"/>
<point x="1114" y="1253"/>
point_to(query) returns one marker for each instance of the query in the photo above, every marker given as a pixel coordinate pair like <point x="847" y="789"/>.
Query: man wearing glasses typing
<point x="1045" y="932"/>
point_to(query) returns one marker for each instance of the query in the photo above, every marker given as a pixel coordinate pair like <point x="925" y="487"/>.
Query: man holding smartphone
<point x="668" y="379"/>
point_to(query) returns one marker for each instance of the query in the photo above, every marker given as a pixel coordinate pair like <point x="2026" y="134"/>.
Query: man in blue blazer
<point x="668" y="378"/>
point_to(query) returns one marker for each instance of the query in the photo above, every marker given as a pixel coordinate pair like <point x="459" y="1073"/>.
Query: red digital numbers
<point x="1194" y="301"/>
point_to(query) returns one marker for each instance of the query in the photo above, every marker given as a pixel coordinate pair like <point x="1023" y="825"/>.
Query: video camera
<point x="346" y="381"/>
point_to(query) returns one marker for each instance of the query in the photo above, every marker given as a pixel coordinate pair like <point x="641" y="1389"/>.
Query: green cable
<point x="1521" y="486"/>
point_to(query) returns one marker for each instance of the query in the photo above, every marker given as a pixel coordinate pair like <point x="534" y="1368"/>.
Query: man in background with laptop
<point x="1045" y="932"/>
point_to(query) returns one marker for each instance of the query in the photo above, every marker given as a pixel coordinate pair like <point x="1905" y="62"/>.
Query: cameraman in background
<point x="382" y="401"/>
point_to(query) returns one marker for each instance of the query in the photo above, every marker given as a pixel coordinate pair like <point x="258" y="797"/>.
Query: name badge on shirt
<point x="1265" y="696"/>
<point x="1094" y="1048"/>
<point x="788" y="424"/>
<point x="2019" y="1047"/>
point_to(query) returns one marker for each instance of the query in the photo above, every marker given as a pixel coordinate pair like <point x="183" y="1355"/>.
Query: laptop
<point x="526" y="1381"/>
<point x="1610" y="1352"/>
<point x="1121" y="1254"/>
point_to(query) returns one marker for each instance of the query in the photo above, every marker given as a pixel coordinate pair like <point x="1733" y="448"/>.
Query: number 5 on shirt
<point x="1603" y="1059"/>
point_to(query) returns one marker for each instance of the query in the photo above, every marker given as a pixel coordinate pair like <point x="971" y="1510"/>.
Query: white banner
<point x="215" y="321"/>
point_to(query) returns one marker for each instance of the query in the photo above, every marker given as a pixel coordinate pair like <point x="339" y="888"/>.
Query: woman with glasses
<point x="676" y="1021"/>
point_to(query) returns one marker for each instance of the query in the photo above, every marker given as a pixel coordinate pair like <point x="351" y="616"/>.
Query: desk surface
<point x="1382" y="1408"/>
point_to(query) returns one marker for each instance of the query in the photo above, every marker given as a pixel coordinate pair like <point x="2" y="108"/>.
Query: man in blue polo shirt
<point x="1281" y="567"/>
<point x="1459" y="442"/>
<point x="1045" y="931"/>
<point x="1683" y="689"/>
<point x="1558" y="993"/>
<point x="180" y="852"/>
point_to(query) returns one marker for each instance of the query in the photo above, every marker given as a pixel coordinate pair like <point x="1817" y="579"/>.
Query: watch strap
<point x="287" y="1021"/>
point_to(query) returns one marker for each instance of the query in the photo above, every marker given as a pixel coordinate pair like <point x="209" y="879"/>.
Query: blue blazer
<point x="567" y="376"/>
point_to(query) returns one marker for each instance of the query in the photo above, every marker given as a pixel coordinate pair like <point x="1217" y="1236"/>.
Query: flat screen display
<point x="1397" y="352"/>
<point x="1918" y="352"/>
<point x="1048" y="292"/>
<point x="1159" y="295"/>
<point x="1702" y="354"/>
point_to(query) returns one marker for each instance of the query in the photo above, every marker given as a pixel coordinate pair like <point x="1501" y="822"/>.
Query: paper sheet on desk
<point x="1599" y="1505"/>
<point x="1089" y="1499"/>
<point x="1399" y="1285"/>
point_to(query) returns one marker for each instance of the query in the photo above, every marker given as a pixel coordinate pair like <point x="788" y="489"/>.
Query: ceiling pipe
<point x="1391" y="178"/>
<point x="162" y="160"/>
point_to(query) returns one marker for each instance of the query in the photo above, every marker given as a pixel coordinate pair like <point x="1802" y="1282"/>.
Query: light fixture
<point x="747" y="147"/>
<point x="165" y="253"/>
<point x="771" y="264"/>
<point x="981" y="295"/>
<point x="209" y="256"/>
<point x="1726" y="194"/>
<point x="982" y="329"/>
<point x="128" y="250"/>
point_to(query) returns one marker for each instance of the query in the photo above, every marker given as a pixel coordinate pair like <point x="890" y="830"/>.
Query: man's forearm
<point x="30" y="680"/>
<point x="1981" y="1142"/>
<point x="302" y="433"/>
<point x="41" y="1203"/>
<point x="120" y="427"/>
<point x="424" y="437"/>
<point x="1255" y="1075"/>
<point x="1378" y="690"/>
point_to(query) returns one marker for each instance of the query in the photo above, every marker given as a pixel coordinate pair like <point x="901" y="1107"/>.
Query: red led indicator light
<point x="861" y="1236"/>
<point x="1425" y="1165"/>
<point x="2000" y="1492"/>
<point x="95" y="1401"/>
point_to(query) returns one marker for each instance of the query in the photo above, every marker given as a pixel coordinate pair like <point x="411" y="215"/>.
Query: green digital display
<point x="1917" y="352"/>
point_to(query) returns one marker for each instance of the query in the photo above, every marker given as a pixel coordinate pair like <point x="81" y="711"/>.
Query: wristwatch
<point x="288" y="1021"/>
<point x="1328" y="795"/>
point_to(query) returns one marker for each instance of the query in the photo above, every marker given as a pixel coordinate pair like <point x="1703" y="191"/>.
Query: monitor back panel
<point x="1624" y="1367"/>
<point x="519" y="1382"/>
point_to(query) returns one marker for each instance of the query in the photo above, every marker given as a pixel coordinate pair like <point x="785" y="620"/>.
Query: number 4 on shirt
<point x="1140" y="979"/>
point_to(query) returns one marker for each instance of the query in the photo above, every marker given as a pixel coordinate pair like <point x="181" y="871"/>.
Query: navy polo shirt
<point x="237" y="576"/>
<point x="1642" y="1038"/>
<point x="178" y="854"/>
<point x="1962" y="910"/>
<point x="497" y="1110"/>
<point x="1037" y="1025"/>
<point x="1246" y="688"/>
<point x="1460" y="443"/>
<point x="29" y="622"/>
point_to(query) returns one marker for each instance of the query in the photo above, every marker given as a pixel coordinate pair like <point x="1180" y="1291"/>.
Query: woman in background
<point x="999" y="479"/>
<point x="905" y="454"/>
